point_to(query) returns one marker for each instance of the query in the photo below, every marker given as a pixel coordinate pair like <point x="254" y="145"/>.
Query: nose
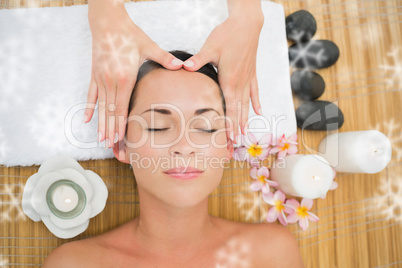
<point x="182" y="147"/>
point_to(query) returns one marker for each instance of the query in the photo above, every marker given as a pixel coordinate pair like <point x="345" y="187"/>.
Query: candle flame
<point x="316" y="178"/>
<point x="67" y="200"/>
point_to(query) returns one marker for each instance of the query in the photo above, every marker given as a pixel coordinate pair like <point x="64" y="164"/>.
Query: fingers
<point x="200" y="59"/>
<point x="101" y="109"/>
<point x="164" y="58"/>
<point x="91" y="100"/>
<point x="255" y="99"/>
<point x="231" y="111"/>
<point x="111" y="90"/>
<point x="124" y="91"/>
<point x="245" y="104"/>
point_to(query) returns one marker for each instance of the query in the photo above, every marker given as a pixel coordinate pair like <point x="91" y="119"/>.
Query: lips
<point x="183" y="170"/>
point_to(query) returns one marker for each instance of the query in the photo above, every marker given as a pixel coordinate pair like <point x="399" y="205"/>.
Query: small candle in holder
<point x="64" y="198"/>
<point x="367" y="151"/>
<point x="307" y="176"/>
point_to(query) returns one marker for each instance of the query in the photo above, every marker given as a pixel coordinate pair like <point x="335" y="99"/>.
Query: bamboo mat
<point x="360" y="222"/>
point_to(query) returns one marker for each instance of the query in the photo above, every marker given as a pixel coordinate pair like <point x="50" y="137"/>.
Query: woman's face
<point x="177" y="121"/>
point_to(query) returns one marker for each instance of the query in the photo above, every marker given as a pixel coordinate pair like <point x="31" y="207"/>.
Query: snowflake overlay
<point x="236" y="253"/>
<point x="251" y="205"/>
<point x="304" y="55"/>
<point x="12" y="202"/>
<point x="393" y="131"/>
<point x="390" y="194"/>
<point x="3" y="261"/>
<point x="395" y="68"/>
<point x="198" y="19"/>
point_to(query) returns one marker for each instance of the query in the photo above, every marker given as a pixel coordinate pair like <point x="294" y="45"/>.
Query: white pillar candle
<point x="367" y="151"/>
<point x="64" y="198"/>
<point x="308" y="176"/>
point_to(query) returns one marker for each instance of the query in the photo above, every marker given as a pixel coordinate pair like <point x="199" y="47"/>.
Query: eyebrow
<point x="167" y="112"/>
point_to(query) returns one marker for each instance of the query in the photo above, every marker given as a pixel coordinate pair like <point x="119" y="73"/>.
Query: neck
<point x="172" y="230"/>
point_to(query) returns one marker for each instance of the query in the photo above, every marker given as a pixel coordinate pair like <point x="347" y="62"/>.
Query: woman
<point x="231" y="46"/>
<point x="177" y="117"/>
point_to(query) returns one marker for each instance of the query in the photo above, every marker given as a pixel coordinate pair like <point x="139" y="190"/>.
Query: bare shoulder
<point x="72" y="254"/>
<point x="274" y="245"/>
<point x="270" y="244"/>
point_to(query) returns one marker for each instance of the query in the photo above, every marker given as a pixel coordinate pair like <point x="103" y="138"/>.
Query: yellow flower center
<point x="262" y="179"/>
<point x="279" y="205"/>
<point x="302" y="212"/>
<point x="285" y="147"/>
<point x="255" y="150"/>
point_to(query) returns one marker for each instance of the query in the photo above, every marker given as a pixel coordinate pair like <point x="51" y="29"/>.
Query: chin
<point x="183" y="199"/>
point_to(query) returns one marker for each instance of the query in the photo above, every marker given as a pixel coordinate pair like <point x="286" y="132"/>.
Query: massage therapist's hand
<point x="232" y="48"/>
<point x="119" y="47"/>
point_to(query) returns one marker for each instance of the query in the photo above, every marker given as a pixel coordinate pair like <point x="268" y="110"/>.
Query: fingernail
<point x="189" y="63"/>
<point x="176" y="62"/>
<point x="260" y="111"/>
<point x="107" y="144"/>
<point x="116" y="137"/>
<point x="231" y="135"/>
<point x="99" y="136"/>
<point x="85" y="119"/>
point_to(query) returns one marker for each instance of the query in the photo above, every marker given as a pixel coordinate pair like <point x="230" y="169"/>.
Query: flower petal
<point x="306" y="202"/>
<point x="274" y="150"/>
<point x="312" y="217"/>
<point x="251" y="138"/>
<point x="64" y="233"/>
<point x="59" y="162"/>
<point x="334" y="185"/>
<point x="264" y="154"/>
<point x="292" y="149"/>
<point x="282" y="218"/>
<point x="265" y="140"/>
<point x="256" y="186"/>
<point x="39" y="192"/>
<point x="240" y="154"/>
<point x="282" y="154"/>
<point x="272" y="183"/>
<point x="293" y="217"/>
<point x="100" y="193"/>
<point x="279" y="196"/>
<point x="269" y="198"/>
<point x="265" y="188"/>
<point x="293" y="203"/>
<point x="288" y="209"/>
<point x="74" y="222"/>
<point x="253" y="161"/>
<point x="272" y="214"/>
<point x="292" y="137"/>
<point x="27" y="197"/>
<point x="253" y="173"/>
<point x="263" y="171"/>
<point x="303" y="223"/>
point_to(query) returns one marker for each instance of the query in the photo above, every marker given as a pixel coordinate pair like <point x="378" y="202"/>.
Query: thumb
<point x="198" y="60"/>
<point x="165" y="58"/>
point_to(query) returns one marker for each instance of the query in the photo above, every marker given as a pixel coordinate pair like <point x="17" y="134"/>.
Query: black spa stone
<point x="314" y="54"/>
<point x="319" y="115"/>
<point x="300" y="26"/>
<point x="307" y="85"/>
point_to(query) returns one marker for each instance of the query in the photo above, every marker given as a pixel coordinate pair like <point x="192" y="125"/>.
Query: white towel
<point x="45" y="69"/>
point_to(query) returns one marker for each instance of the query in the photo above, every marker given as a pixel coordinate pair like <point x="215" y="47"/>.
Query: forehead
<point x="185" y="90"/>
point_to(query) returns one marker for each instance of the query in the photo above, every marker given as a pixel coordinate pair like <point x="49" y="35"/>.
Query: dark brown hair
<point x="148" y="66"/>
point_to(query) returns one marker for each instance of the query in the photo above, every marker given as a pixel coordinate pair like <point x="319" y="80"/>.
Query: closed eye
<point x="163" y="129"/>
<point x="207" y="130"/>
<point x="157" y="129"/>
